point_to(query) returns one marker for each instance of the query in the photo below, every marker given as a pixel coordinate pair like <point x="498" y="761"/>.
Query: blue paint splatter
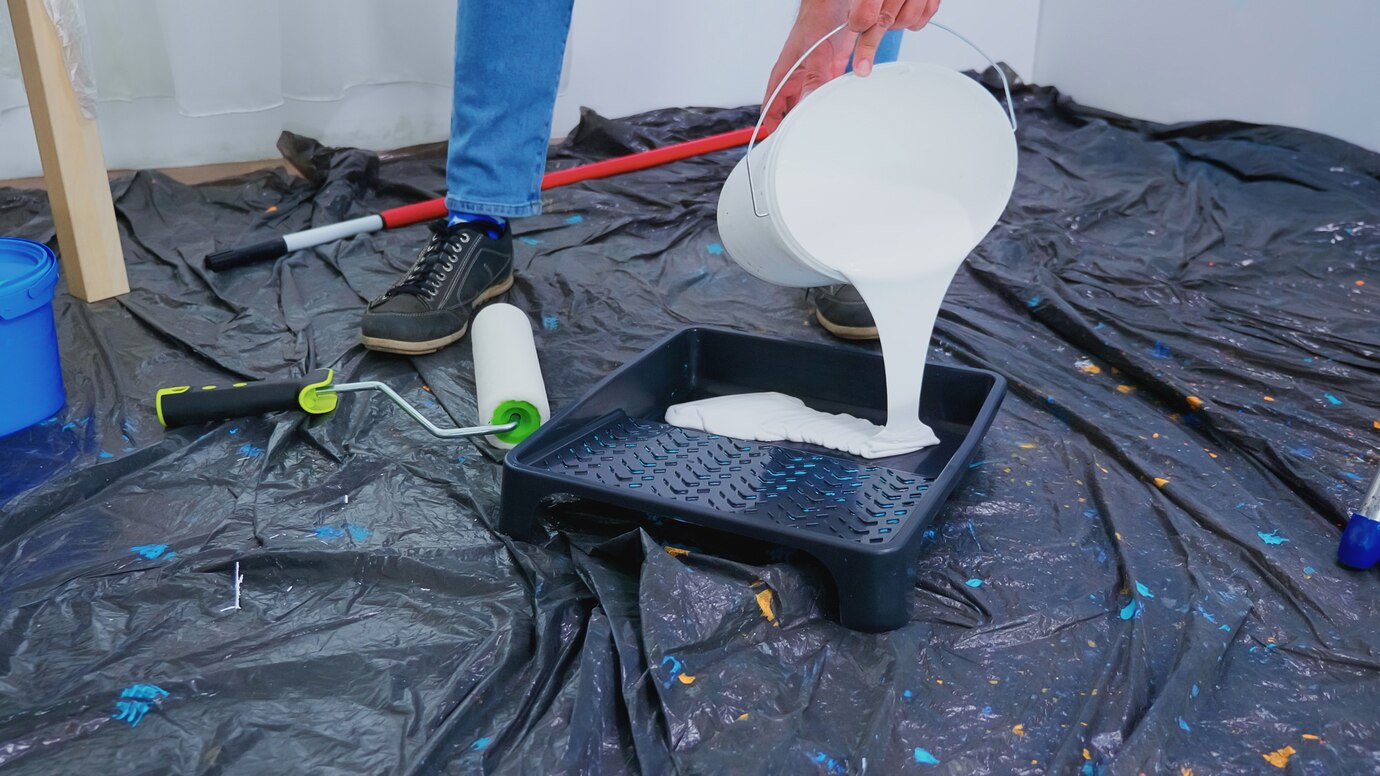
<point x="1309" y="570"/>
<point x="1272" y="537"/>
<point x="480" y="744"/>
<point x="1183" y="725"/>
<point x="137" y="700"/>
<point x="924" y="757"/>
<point x="832" y="765"/>
<point x="575" y="219"/>
<point x="1090" y="513"/>
<point x="461" y="459"/>
<point x="234" y="431"/>
<point x="907" y="694"/>
<point x="104" y="454"/>
<point x="1160" y="350"/>
<point x="251" y="451"/>
<point x="1100" y="325"/>
<point x="150" y="551"/>
<point x="714" y="248"/>
<point x="1352" y="476"/>
<point x="1129" y="610"/>
<point x="550" y="322"/>
<point x="68" y="426"/>
<point x="1302" y="452"/>
<point x="531" y="240"/>
<point x="1034" y="301"/>
<point x="976" y="464"/>
<point x="974" y="582"/>
<point x="1143" y="590"/>
<point x="1088" y="769"/>
<point x="1226" y="628"/>
<point x="329" y="532"/>
<point x="1195" y="691"/>
<point x="676" y="667"/>
<point x="1333" y="400"/>
<point x="1207" y="615"/>
<point x="357" y="532"/>
<point x="986" y="709"/>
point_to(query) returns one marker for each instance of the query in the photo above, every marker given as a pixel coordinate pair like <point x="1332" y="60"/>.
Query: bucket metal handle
<point x="752" y="189"/>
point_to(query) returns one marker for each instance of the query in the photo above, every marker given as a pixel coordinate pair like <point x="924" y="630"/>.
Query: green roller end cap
<point x="526" y="415"/>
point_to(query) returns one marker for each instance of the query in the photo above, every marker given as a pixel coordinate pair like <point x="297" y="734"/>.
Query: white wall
<point x="628" y="56"/>
<point x="624" y="56"/>
<point x="1301" y="63"/>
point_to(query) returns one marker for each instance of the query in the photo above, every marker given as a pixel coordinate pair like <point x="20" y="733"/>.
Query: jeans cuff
<point x="529" y="208"/>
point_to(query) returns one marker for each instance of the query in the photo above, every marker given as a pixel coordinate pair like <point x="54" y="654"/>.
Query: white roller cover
<point x="505" y="365"/>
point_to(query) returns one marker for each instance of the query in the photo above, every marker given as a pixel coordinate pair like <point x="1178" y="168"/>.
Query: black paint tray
<point x="863" y="520"/>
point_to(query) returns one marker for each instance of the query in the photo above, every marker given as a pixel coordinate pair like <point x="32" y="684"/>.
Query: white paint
<point x="1310" y="65"/>
<point x="887" y="182"/>
<point x="776" y="417"/>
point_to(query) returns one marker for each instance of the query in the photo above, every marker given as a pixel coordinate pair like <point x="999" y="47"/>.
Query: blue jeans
<point x="507" y="67"/>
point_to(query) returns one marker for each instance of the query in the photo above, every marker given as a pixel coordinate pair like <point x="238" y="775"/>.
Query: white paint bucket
<point x="923" y="125"/>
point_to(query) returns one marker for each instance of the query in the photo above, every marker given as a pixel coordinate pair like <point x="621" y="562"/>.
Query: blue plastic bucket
<point x="32" y="386"/>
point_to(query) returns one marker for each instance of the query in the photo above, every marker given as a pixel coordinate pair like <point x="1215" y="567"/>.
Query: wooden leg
<point x="69" y="144"/>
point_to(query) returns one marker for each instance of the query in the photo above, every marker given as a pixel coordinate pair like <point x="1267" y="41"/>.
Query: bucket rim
<point x="32" y="287"/>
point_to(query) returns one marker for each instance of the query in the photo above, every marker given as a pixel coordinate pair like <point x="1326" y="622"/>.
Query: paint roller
<point x="511" y="395"/>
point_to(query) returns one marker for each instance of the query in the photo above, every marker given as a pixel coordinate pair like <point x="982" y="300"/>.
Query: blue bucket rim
<point x="29" y="289"/>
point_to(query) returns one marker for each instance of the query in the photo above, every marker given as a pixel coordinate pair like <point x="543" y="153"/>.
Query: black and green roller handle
<point x="186" y="405"/>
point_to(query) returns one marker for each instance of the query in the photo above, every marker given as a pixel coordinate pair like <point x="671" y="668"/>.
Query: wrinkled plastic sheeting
<point x="1137" y="575"/>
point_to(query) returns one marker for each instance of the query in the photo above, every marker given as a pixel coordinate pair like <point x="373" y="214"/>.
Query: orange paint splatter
<point x="686" y="679"/>
<point x="1311" y="737"/>
<point x="1194" y="402"/>
<point x="1375" y="424"/>
<point x="1026" y="445"/>
<point x="1279" y="757"/>
<point x="993" y="681"/>
<point x="1160" y="482"/>
<point x="676" y="551"/>
<point x="1360" y="282"/>
<point x="1185" y="771"/>
<point x="426" y="388"/>
<point x="1086" y="754"/>
<point x="272" y="209"/>
<point x="1124" y="388"/>
<point x="764" y="603"/>
<point x="1018" y="730"/>
<point x="742" y="716"/>
<point x="1268" y="398"/>
<point x="1088" y="367"/>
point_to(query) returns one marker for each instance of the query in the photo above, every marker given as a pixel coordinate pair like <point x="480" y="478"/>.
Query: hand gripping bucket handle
<point x="752" y="189"/>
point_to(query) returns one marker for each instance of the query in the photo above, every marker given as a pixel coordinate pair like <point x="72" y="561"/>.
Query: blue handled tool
<point x="1360" y="547"/>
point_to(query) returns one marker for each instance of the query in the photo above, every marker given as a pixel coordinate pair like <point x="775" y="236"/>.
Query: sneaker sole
<point x="405" y="348"/>
<point x="847" y="332"/>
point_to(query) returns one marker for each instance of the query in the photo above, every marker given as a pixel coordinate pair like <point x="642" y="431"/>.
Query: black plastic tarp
<point x="1137" y="576"/>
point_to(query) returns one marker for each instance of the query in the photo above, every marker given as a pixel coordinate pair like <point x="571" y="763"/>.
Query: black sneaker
<point x="841" y="310"/>
<point x="461" y="267"/>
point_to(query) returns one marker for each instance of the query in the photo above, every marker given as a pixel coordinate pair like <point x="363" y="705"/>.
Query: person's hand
<point x="868" y="21"/>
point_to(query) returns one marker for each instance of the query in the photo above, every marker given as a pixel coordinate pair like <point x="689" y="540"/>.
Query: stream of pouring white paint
<point x="900" y="245"/>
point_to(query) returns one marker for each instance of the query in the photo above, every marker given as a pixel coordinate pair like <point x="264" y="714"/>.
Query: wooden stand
<point x="69" y="144"/>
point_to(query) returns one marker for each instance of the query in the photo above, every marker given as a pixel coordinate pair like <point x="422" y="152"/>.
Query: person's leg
<point x="507" y="68"/>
